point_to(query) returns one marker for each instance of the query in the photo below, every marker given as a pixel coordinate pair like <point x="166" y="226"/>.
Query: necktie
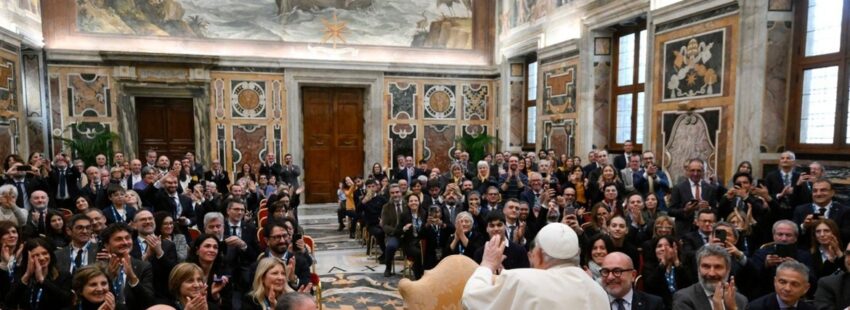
<point x="118" y="285"/>
<point x="698" y="194"/>
<point x="620" y="304"/>
<point x="22" y="192"/>
<point x="233" y="230"/>
<point x="786" y="179"/>
<point x="398" y="209"/>
<point x="41" y="221"/>
<point x="63" y="185"/>
<point x="143" y="246"/>
<point x="178" y="209"/>
<point x="511" y="232"/>
<point x="78" y="261"/>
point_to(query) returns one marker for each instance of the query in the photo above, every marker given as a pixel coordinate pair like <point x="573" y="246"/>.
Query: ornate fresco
<point x="428" y="24"/>
<point x="694" y="66"/>
<point x="89" y="95"/>
<point x="560" y="136"/>
<point x="690" y="135"/>
<point x="515" y="13"/>
<point x="559" y="92"/>
<point x="475" y="98"/>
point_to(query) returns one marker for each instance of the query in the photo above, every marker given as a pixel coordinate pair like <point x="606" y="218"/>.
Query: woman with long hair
<point x="247" y="173"/>
<point x="672" y="272"/>
<point x="609" y="175"/>
<point x="377" y="173"/>
<point x="270" y="282"/>
<point x="41" y="285"/>
<point x="56" y="229"/>
<point x="91" y="287"/>
<point x="595" y="251"/>
<point x="10" y="252"/>
<point x="165" y="229"/>
<point x="188" y="288"/>
<point x="205" y="253"/>
<point x="411" y="224"/>
<point x="826" y="250"/>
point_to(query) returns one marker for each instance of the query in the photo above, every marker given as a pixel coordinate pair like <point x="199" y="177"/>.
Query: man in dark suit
<point x="290" y="172"/>
<point x="717" y="262"/>
<point x="218" y="176"/>
<point x="621" y="161"/>
<point x="95" y="191"/>
<point x="197" y="169"/>
<point x="591" y="163"/>
<point x="833" y="291"/>
<point x="516" y="256"/>
<point x="80" y="252"/>
<point x="134" y="282"/>
<point x="134" y="175"/>
<point x="791" y="284"/>
<point x="766" y="259"/>
<point x="704" y="220"/>
<point x="160" y="253"/>
<point x="409" y="172"/>
<point x="821" y="206"/>
<point x="271" y="167"/>
<point x="62" y="183"/>
<point x="618" y="276"/>
<point x="239" y="246"/>
<point x="691" y="195"/>
<point x="180" y="207"/>
<point x="390" y="217"/>
<point x="26" y="182"/>
<point x="780" y="185"/>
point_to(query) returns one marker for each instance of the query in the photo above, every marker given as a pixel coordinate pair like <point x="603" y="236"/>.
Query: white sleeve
<point x="480" y="289"/>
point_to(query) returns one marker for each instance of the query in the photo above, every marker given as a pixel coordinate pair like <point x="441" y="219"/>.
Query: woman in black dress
<point x="41" y="285"/>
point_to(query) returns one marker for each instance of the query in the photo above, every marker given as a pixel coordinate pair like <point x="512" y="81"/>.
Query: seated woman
<point x="465" y="240"/>
<point x="411" y="224"/>
<point x="91" y="285"/>
<point x="41" y="285"/>
<point x="81" y="204"/>
<point x="826" y="250"/>
<point x="671" y="274"/>
<point x="204" y="253"/>
<point x="594" y="253"/>
<point x="9" y="245"/>
<point x="664" y="226"/>
<point x="56" y="229"/>
<point x="271" y="280"/>
<point x="186" y="284"/>
<point x="436" y="235"/>
<point x="164" y="224"/>
<point x="618" y="230"/>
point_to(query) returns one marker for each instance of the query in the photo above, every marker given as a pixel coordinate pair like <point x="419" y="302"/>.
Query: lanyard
<point x="35" y="298"/>
<point x="118" y="217"/>
<point x="670" y="276"/>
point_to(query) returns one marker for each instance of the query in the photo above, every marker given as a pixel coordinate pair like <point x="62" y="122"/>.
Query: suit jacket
<point x="644" y="301"/>
<point x="621" y="162"/>
<point x="692" y="241"/>
<point x="164" y="202"/>
<point x="64" y="258"/>
<point x="271" y="170"/>
<point x="72" y="176"/>
<point x="390" y="218"/>
<point x="31" y="184"/>
<point x="681" y="195"/>
<point x="221" y="181"/>
<point x="516" y="256"/>
<point x="112" y="215"/>
<point x="833" y="292"/>
<point x="769" y="302"/>
<point x="290" y="174"/>
<point x="402" y="174"/>
<point x="96" y="196"/>
<point x="694" y="297"/>
<point x="837" y="213"/>
<point x="774" y="183"/>
<point x="161" y="266"/>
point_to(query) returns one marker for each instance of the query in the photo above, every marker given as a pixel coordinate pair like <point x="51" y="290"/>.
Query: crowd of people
<point x="692" y="243"/>
<point x="157" y="232"/>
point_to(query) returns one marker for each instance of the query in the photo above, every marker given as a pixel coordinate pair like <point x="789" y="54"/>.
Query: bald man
<point x="618" y="277"/>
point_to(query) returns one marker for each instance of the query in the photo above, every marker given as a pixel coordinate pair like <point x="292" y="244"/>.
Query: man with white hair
<point x="555" y="262"/>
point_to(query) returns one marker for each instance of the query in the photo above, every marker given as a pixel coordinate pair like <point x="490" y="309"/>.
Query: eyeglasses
<point x="83" y="228"/>
<point x="616" y="271"/>
<point x="277" y="237"/>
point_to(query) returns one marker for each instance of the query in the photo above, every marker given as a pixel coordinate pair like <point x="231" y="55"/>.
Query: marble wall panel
<point x="475" y="99"/>
<point x="248" y="99"/>
<point x="690" y="135"/>
<point x="402" y="100"/>
<point x="8" y="86"/>
<point x="402" y="141"/>
<point x="560" y="136"/>
<point x="55" y="110"/>
<point x="517" y="109"/>
<point x="89" y="95"/>
<point x="440" y="101"/>
<point x="248" y="143"/>
<point x="439" y="144"/>
<point x="773" y="115"/>
<point x="559" y="92"/>
<point x="601" y="102"/>
<point x="35" y="116"/>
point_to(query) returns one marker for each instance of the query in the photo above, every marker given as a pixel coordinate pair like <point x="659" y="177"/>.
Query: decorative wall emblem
<point x="690" y="135"/>
<point x="402" y="139"/>
<point x="439" y="101"/>
<point x="8" y="91"/>
<point x="475" y="102"/>
<point x="89" y="95"/>
<point x="559" y="95"/>
<point x="402" y="100"/>
<point x="560" y="136"/>
<point x="694" y="66"/>
<point x="248" y="99"/>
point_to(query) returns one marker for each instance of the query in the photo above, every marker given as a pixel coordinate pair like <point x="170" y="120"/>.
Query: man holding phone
<point x="25" y="179"/>
<point x="821" y="206"/>
<point x="691" y="195"/>
<point x="785" y="248"/>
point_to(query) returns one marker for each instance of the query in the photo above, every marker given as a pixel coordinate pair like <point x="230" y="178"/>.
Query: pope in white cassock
<point x="555" y="282"/>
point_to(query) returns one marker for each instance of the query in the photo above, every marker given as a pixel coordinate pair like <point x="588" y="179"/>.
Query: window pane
<point x="823" y="27"/>
<point x="817" y="114"/>
<point x="642" y="60"/>
<point x="531" y="125"/>
<point x="532" y="81"/>
<point x="624" y="118"/>
<point x="626" y="60"/>
<point x="640" y="129"/>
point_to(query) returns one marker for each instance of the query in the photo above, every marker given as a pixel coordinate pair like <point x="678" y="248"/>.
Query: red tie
<point x="698" y="194"/>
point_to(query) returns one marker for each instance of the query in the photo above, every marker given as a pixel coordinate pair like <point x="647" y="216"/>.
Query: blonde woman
<point x="270" y="282"/>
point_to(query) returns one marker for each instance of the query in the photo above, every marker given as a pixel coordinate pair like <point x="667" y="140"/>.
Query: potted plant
<point x="89" y="146"/>
<point x="477" y="145"/>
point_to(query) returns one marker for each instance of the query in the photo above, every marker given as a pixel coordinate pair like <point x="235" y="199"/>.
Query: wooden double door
<point x="166" y="125"/>
<point x="333" y="139"/>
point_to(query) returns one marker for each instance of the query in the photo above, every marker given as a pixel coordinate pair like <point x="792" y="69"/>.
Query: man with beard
<point x="390" y="218"/>
<point x="179" y="206"/>
<point x="618" y="276"/>
<point x="514" y="181"/>
<point x="712" y="291"/>
<point x="160" y="253"/>
<point x="452" y="205"/>
<point x="545" y="170"/>
<point x="433" y="197"/>
<point x="279" y="243"/>
<point x="131" y="278"/>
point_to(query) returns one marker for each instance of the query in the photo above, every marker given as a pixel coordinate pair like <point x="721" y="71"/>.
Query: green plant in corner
<point x="88" y="148"/>
<point x="476" y="146"/>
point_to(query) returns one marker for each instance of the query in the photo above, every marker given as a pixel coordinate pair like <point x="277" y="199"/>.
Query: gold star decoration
<point x="364" y="300"/>
<point x="692" y="78"/>
<point x="391" y="303"/>
<point x="332" y="299"/>
<point x="334" y="30"/>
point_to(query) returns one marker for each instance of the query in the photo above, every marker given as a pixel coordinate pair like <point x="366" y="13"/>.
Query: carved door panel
<point x="333" y="139"/>
<point x="166" y="125"/>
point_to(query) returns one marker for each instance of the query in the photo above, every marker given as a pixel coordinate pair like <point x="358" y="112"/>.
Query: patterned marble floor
<point x="350" y="279"/>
